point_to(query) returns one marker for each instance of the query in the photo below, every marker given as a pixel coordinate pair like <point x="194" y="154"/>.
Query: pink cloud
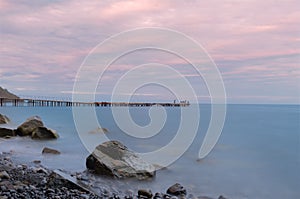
<point x="52" y="38"/>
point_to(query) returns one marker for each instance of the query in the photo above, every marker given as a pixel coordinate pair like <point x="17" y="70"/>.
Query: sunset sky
<point x="255" y="44"/>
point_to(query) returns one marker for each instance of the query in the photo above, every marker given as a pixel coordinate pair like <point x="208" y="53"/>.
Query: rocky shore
<point x="28" y="181"/>
<point x="24" y="181"/>
<point x="111" y="159"/>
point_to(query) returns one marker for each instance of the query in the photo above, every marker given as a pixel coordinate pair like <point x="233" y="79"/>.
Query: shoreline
<point x="33" y="180"/>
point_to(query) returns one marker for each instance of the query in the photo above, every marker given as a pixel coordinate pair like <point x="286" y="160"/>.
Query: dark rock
<point x="114" y="159"/>
<point x="4" y="132"/>
<point x="43" y="133"/>
<point x="176" y="190"/>
<point x="29" y="126"/>
<point x="37" y="162"/>
<point x="4" y="175"/>
<point x="4" y="119"/>
<point x="221" y="197"/>
<point x="142" y="193"/>
<point x="50" y="151"/>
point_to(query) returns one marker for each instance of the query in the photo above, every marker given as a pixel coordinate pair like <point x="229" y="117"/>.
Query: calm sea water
<point x="257" y="155"/>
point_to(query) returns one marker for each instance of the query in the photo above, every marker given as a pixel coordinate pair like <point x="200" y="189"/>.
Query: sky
<point x="255" y="45"/>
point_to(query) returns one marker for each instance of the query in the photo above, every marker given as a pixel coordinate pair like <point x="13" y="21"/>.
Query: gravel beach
<point x="28" y="181"/>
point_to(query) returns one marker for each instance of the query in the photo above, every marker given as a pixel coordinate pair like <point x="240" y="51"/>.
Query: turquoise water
<point x="257" y="155"/>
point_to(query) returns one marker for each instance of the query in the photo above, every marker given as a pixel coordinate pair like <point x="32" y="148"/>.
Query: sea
<point x="256" y="156"/>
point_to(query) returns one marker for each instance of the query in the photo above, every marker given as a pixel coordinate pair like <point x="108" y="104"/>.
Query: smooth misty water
<point x="257" y="156"/>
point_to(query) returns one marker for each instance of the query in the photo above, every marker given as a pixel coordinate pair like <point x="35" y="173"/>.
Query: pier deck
<point x="64" y="103"/>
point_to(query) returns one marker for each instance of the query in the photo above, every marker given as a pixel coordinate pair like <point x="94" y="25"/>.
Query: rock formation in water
<point x="114" y="159"/>
<point x="43" y="133"/>
<point x="27" y="128"/>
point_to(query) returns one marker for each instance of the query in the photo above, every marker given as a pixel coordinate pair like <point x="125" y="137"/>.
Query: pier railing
<point x="66" y="103"/>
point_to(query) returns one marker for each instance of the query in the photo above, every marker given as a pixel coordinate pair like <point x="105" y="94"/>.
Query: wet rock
<point x="99" y="130"/>
<point x="114" y="159"/>
<point x="37" y="162"/>
<point x="4" y="119"/>
<point x="27" y="128"/>
<point x="177" y="190"/>
<point x="5" y="132"/>
<point x="40" y="170"/>
<point x="43" y="133"/>
<point x="221" y="197"/>
<point x="47" y="150"/>
<point x="166" y="196"/>
<point x="4" y="175"/>
<point x="158" y="196"/>
<point x="143" y="193"/>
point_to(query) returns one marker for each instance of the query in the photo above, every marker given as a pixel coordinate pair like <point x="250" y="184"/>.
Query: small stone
<point x="50" y="151"/>
<point x="177" y="190"/>
<point x="37" y="162"/>
<point x="158" y="196"/>
<point x="221" y="197"/>
<point x="143" y="193"/>
<point x="166" y="196"/>
<point x="4" y="175"/>
<point x="40" y="170"/>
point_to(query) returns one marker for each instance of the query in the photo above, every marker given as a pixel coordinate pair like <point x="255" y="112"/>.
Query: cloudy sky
<point x="255" y="45"/>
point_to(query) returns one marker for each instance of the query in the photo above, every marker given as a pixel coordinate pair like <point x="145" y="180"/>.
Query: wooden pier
<point x="64" y="103"/>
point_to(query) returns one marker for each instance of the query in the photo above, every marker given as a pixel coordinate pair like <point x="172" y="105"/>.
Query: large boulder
<point x="4" y="119"/>
<point x="27" y="128"/>
<point x="114" y="159"/>
<point x="43" y="133"/>
<point x="4" y="132"/>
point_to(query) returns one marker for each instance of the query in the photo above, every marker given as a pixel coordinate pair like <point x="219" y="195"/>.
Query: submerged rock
<point x="176" y="190"/>
<point x="50" y="151"/>
<point x="114" y="159"/>
<point x="29" y="126"/>
<point x="5" y="132"/>
<point x="4" y="119"/>
<point x="44" y="133"/>
<point x="99" y="130"/>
